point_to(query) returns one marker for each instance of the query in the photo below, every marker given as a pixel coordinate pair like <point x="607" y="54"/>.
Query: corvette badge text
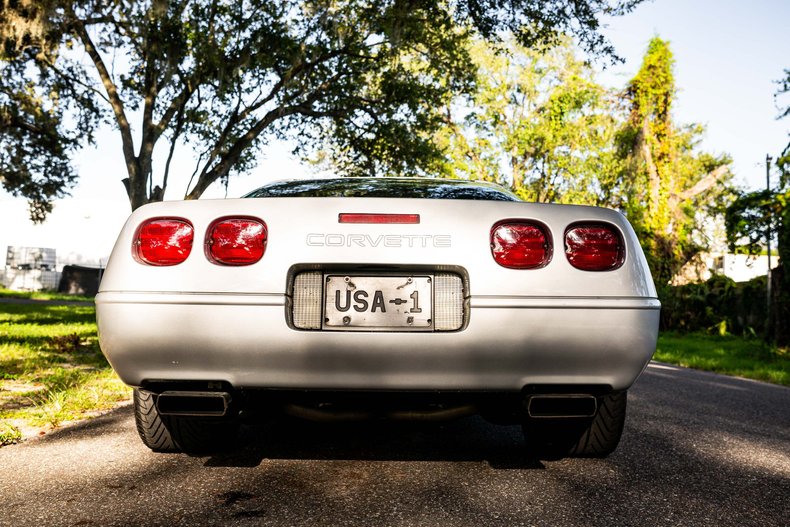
<point x="382" y="240"/>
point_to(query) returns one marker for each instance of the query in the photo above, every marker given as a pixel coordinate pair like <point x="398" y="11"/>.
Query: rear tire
<point x="593" y="437"/>
<point x="169" y="434"/>
<point x="150" y="425"/>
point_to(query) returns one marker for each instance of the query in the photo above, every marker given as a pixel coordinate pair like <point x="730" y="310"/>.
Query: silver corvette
<point x="359" y="298"/>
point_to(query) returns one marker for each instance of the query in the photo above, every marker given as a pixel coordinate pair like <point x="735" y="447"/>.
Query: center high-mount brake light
<point x="520" y="245"/>
<point x="236" y="241"/>
<point x="164" y="241"/>
<point x="378" y="218"/>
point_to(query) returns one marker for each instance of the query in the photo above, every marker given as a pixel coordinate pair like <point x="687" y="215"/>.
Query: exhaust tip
<point x="553" y="406"/>
<point x="195" y="404"/>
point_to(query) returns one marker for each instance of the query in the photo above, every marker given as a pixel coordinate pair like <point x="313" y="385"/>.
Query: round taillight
<point x="520" y="245"/>
<point x="236" y="241"/>
<point x="164" y="241"/>
<point x="594" y="247"/>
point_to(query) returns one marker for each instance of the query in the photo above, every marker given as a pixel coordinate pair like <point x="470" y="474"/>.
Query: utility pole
<point x="768" y="239"/>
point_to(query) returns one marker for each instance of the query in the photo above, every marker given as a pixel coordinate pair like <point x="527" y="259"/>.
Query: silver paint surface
<point x="199" y="320"/>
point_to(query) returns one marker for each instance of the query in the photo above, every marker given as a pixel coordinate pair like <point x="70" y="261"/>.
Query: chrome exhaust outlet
<point x="193" y="404"/>
<point x="554" y="406"/>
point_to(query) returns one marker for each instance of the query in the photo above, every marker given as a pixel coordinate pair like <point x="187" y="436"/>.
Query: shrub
<point x="718" y="305"/>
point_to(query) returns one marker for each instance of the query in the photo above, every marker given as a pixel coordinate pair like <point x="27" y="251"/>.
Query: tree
<point x="667" y="186"/>
<point x="538" y="122"/>
<point x="227" y="77"/>
<point x="755" y="215"/>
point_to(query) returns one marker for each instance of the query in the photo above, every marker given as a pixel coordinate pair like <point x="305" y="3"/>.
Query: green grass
<point x="51" y="369"/>
<point x="745" y="357"/>
<point x="43" y="295"/>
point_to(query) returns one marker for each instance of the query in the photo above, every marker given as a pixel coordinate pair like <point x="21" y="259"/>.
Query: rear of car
<point x="369" y="297"/>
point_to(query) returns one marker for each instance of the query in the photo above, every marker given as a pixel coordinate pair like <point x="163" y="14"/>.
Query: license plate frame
<point x="360" y="302"/>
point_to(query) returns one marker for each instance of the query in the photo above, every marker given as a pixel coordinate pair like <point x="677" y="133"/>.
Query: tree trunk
<point x="654" y="179"/>
<point x="139" y="175"/>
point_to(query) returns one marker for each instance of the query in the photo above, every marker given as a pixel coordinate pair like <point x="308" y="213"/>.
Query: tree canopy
<point x="540" y="123"/>
<point x="668" y="186"/>
<point x="362" y="79"/>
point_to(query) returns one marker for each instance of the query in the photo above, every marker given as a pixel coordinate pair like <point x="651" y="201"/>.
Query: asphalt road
<point x="699" y="449"/>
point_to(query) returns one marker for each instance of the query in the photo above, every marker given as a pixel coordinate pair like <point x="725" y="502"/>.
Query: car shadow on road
<point x="469" y="439"/>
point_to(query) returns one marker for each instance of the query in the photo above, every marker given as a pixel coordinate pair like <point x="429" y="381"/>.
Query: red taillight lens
<point x="520" y="245"/>
<point x="378" y="218"/>
<point x="237" y="241"/>
<point x="164" y="241"/>
<point x="594" y="247"/>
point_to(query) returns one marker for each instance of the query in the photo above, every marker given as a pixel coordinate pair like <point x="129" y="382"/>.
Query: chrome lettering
<point x="441" y="241"/>
<point x="420" y="241"/>
<point x="417" y="240"/>
<point x="315" y="239"/>
<point x="357" y="239"/>
<point x="334" y="240"/>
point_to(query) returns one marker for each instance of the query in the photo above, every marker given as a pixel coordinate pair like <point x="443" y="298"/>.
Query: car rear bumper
<point x="508" y="343"/>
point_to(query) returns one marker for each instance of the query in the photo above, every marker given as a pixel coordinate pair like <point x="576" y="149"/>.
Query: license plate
<point x="378" y="302"/>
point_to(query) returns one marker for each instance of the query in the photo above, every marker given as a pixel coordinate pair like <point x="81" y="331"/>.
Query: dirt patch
<point x="15" y="395"/>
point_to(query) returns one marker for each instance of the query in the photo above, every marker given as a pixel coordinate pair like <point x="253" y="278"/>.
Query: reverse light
<point x="520" y="245"/>
<point x="236" y="241"/>
<point x="594" y="247"/>
<point x="378" y="218"/>
<point x="164" y="241"/>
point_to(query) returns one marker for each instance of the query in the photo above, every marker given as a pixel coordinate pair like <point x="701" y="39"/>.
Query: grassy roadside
<point x="743" y="357"/>
<point x="43" y="295"/>
<point x="51" y="369"/>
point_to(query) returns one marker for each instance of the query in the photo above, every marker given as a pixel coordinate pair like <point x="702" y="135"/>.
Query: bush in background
<point x="718" y="305"/>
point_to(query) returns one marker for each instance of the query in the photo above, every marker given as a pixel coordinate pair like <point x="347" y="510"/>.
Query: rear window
<point x="385" y="188"/>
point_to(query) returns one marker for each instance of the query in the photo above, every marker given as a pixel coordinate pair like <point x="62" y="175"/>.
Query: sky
<point x="728" y="55"/>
